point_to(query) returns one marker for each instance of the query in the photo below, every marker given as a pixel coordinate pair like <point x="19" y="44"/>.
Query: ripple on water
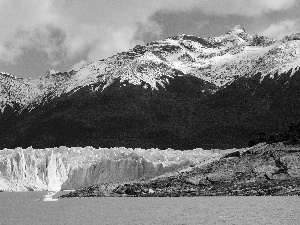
<point x="22" y="208"/>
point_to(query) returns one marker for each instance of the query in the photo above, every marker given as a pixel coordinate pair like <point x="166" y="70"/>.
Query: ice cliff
<point x="27" y="169"/>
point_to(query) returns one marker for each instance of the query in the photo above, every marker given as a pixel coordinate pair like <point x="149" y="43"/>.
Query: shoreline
<point x="290" y="187"/>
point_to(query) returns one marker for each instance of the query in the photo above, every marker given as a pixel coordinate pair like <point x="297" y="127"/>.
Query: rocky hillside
<point x="259" y="170"/>
<point x="183" y="92"/>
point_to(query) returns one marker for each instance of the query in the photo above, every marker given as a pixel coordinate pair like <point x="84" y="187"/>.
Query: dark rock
<point x="233" y="154"/>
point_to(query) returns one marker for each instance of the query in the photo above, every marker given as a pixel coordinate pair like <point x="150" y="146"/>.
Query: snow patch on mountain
<point x="281" y="59"/>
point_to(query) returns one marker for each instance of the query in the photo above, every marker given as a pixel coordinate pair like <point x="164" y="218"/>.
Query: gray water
<point x="22" y="208"/>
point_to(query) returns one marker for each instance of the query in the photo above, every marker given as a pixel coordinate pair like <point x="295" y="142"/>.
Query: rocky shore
<point x="258" y="188"/>
<point x="272" y="170"/>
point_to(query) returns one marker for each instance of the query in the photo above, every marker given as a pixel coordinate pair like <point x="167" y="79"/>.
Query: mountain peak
<point x="49" y="73"/>
<point x="240" y="32"/>
<point x="237" y="29"/>
<point x="8" y="75"/>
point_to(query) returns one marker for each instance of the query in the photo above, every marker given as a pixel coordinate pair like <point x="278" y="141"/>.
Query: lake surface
<point x="23" y="208"/>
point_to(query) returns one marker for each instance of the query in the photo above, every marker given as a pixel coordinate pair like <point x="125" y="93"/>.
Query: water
<point x="22" y="208"/>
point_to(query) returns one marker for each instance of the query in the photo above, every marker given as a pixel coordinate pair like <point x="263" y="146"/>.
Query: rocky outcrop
<point x="28" y="169"/>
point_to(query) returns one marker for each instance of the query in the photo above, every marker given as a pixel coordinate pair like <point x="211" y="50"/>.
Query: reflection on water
<point x="23" y="208"/>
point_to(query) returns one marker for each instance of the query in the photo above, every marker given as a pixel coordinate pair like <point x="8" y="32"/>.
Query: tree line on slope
<point x="290" y="136"/>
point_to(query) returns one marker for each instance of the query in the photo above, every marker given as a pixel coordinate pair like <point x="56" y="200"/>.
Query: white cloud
<point x="102" y="27"/>
<point x="281" y="29"/>
<point x="23" y="23"/>
<point x="79" y="65"/>
<point x="229" y="7"/>
<point x="277" y="4"/>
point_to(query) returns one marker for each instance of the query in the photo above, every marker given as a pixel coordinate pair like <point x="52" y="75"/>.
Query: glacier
<point x="77" y="167"/>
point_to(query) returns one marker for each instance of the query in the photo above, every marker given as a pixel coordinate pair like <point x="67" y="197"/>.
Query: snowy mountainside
<point x="16" y="91"/>
<point x="29" y="92"/>
<point x="218" y="60"/>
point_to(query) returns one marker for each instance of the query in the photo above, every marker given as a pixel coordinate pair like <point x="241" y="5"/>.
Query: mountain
<point x="183" y="92"/>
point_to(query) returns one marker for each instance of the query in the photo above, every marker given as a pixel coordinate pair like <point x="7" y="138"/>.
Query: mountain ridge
<point x="134" y="64"/>
<point x="137" y="65"/>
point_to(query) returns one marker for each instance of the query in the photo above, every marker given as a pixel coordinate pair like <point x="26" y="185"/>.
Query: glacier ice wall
<point x="76" y="167"/>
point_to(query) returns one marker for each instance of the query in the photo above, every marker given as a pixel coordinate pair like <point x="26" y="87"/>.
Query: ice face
<point x="72" y="168"/>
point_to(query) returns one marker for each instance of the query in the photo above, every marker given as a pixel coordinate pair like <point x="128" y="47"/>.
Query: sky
<point x="37" y="35"/>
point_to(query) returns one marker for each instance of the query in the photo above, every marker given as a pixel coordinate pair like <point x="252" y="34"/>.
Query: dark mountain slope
<point x="249" y="106"/>
<point x="129" y="116"/>
<point x="180" y="116"/>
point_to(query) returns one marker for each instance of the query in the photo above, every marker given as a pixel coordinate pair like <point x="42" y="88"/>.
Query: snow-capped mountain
<point x="218" y="60"/>
<point x="178" y="89"/>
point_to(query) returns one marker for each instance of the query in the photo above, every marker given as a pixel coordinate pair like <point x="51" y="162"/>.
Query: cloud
<point x="148" y="31"/>
<point x="79" y="65"/>
<point x="64" y="29"/>
<point x="276" y="5"/>
<point x="230" y="7"/>
<point x="281" y="29"/>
